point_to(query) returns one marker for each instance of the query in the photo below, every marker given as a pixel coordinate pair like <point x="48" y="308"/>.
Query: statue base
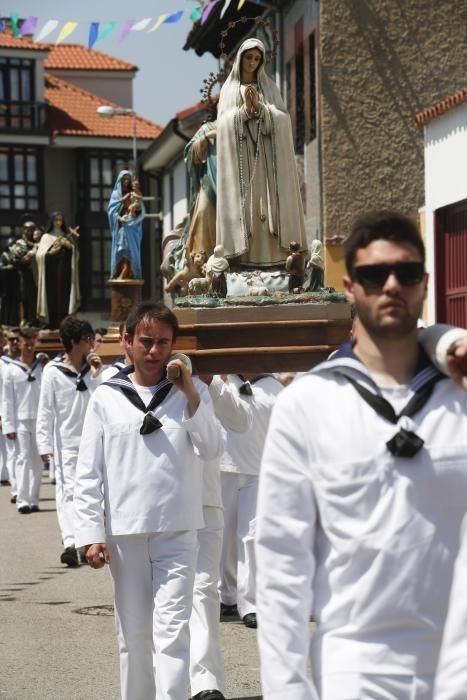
<point x="124" y="295"/>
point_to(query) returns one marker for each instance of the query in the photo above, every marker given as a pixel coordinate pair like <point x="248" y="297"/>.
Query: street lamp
<point x="108" y="111"/>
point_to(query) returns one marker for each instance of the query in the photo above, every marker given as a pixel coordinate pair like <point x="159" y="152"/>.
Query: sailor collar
<point x="122" y="381"/>
<point x="65" y="369"/>
<point x="28" y="370"/>
<point x="247" y="387"/>
<point x="405" y="443"/>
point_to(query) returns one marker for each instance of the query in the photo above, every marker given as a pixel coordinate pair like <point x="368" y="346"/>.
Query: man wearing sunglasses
<point x="362" y="494"/>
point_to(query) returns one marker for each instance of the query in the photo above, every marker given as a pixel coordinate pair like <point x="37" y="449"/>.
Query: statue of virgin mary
<point x="126" y="213"/>
<point x="259" y="208"/>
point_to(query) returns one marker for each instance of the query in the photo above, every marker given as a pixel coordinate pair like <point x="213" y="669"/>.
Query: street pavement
<point x="57" y="639"/>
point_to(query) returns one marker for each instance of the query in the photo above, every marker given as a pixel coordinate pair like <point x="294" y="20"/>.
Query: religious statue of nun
<point x="259" y="208"/>
<point x="126" y="213"/>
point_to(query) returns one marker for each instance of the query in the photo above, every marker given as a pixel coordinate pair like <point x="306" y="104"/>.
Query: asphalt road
<point x="57" y="639"/>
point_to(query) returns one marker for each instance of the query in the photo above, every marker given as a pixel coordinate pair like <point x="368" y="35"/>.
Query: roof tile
<point x="441" y="107"/>
<point x="74" y="113"/>
<point x="79" y="57"/>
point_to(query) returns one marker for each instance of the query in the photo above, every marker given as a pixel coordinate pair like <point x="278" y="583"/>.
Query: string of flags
<point x="102" y="30"/>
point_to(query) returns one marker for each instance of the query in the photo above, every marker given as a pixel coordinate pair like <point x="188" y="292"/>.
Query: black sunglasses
<point x="13" y="339"/>
<point x="372" y="276"/>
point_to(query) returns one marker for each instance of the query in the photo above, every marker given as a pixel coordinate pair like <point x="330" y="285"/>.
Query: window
<point x="101" y="243"/>
<point x="19" y="188"/>
<point x="299" y="102"/>
<point x="17" y="108"/>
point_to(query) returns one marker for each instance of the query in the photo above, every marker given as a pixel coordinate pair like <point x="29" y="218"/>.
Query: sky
<point x="169" y="79"/>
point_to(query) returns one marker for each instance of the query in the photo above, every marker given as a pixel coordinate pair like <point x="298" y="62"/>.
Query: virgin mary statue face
<point x="250" y="62"/>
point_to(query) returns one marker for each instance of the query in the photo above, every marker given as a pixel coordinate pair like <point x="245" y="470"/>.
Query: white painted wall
<point x="445" y="177"/>
<point x="113" y="86"/>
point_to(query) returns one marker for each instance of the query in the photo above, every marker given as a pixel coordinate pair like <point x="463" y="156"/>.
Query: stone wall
<point x="381" y="62"/>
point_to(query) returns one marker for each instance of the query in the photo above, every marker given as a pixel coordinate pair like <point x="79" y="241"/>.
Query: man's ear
<point x="348" y="289"/>
<point x="127" y="339"/>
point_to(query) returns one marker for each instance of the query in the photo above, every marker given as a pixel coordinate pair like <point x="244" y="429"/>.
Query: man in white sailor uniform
<point x="10" y="446"/>
<point x="240" y="465"/>
<point x="138" y="502"/>
<point x="67" y="383"/>
<point x="21" y="387"/>
<point x="362" y="492"/>
<point x="206" y="665"/>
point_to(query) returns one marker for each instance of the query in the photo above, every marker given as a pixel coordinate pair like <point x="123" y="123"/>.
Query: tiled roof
<point x="441" y="107"/>
<point x="8" y="41"/>
<point x="79" y="57"/>
<point x="184" y="113"/>
<point x="67" y="56"/>
<point x="73" y="113"/>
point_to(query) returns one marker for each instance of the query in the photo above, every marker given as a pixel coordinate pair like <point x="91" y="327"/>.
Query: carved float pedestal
<point x="124" y="295"/>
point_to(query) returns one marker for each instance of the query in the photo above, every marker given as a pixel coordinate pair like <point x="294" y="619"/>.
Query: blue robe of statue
<point x="126" y="237"/>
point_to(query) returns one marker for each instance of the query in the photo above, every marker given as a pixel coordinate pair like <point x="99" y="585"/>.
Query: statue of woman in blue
<point x="126" y="214"/>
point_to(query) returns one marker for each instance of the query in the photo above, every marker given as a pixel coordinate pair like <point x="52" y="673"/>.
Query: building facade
<point x="58" y="153"/>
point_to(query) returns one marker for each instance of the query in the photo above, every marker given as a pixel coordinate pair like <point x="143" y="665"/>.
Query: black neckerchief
<point x="123" y="382"/>
<point x="28" y="370"/>
<point x="404" y="443"/>
<point x="247" y="387"/>
<point x="80" y="383"/>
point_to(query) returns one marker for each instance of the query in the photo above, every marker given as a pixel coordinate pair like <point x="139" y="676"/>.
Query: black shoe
<point x="53" y="481"/>
<point x="228" y="610"/>
<point x="70" y="557"/>
<point x="34" y="509"/>
<point x="208" y="695"/>
<point x="250" y="620"/>
<point x="5" y="482"/>
<point x="13" y="499"/>
<point x="82" y="556"/>
<point x="24" y="510"/>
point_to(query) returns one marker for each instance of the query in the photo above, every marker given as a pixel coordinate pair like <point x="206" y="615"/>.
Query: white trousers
<point x="238" y="563"/>
<point x="4" y="473"/>
<point x="65" y="475"/>
<point x="206" y="664"/>
<point x="28" y="465"/>
<point x="367" y="686"/>
<point x="153" y="578"/>
<point x="11" y="449"/>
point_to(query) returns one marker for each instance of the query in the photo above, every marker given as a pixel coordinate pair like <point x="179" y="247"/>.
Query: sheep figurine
<point x="256" y="290"/>
<point x="199" y="285"/>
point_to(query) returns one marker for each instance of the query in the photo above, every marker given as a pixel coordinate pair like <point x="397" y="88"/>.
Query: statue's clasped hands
<point x="251" y="100"/>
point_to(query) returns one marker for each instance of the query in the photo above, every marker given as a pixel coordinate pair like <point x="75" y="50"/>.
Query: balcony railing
<point x="20" y="117"/>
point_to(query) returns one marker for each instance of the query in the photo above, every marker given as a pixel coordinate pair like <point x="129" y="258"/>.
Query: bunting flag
<point x="93" y="34"/>
<point x="158" y="23"/>
<point x="67" y="29"/>
<point x="175" y="17"/>
<point x="240" y="4"/>
<point x="1" y="26"/>
<point x="142" y="24"/>
<point x="29" y="25"/>
<point x="207" y="11"/>
<point x="126" y="30"/>
<point x="14" y="18"/>
<point x="225" y="8"/>
<point x="196" y="13"/>
<point x="108" y="29"/>
<point x="47" y="29"/>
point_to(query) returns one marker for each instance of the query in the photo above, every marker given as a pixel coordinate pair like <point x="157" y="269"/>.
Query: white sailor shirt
<point x="20" y="396"/>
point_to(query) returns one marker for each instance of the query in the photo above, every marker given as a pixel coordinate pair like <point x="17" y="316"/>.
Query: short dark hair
<point x="15" y="329"/>
<point x="151" y="311"/>
<point x="72" y="330"/>
<point x="28" y="332"/>
<point x="378" y="225"/>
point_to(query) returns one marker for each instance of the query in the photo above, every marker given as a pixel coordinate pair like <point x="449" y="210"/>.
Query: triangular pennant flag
<point x="29" y="25"/>
<point x="47" y="29"/>
<point x="207" y="11"/>
<point x="1" y="26"/>
<point x="158" y="23"/>
<point x="142" y="24"/>
<point x="14" y="25"/>
<point x="240" y="4"/>
<point x="175" y="17"/>
<point x="67" y="29"/>
<point x="126" y="30"/>
<point x="196" y="13"/>
<point x="108" y="29"/>
<point x="225" y="8"/>
<point x="93" y="34"/>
